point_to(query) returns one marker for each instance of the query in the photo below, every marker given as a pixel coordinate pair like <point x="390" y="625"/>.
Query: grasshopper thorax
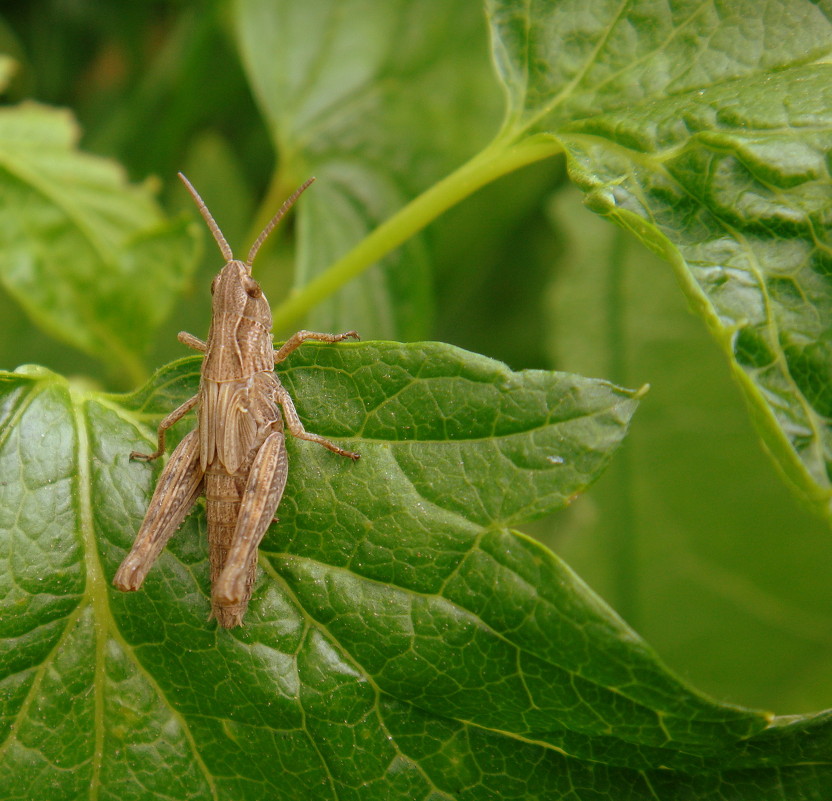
<point x="235" y="292"/>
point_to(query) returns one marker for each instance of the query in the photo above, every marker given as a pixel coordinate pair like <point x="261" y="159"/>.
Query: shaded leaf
<point x="691" y="534"/>
<point x="91" y="259"/>
<point x="8" y="68"/>
<point x="377" y="104"/>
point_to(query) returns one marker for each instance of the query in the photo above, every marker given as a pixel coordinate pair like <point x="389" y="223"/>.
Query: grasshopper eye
<point x="214" y="284"/>
<point x="253" y="288"/>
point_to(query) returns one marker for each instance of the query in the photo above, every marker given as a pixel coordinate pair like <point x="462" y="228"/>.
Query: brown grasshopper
<point x="237" y="453"/>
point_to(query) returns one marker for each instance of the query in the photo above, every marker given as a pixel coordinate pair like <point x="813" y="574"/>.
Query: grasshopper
<point x="236" y="454"/>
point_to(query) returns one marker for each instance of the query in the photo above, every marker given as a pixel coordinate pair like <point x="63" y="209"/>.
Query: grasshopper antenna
<point x="224" y="247"/>
<point x="275" y="220"/>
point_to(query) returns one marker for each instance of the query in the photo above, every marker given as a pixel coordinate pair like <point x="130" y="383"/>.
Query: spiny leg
<point x="178" y="487"/>
<point x="262" y="494"/>
<point x="176" y="415"/>
<point x="296" y="340"/>
<point x="296" y="429"/>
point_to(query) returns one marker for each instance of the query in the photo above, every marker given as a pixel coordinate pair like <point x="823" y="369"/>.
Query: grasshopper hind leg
<point x="264" y="488"/>
<point x="178" y="488"/>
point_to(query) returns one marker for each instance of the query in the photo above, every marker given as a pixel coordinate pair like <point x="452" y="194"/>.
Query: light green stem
<point x="498" y="159"/>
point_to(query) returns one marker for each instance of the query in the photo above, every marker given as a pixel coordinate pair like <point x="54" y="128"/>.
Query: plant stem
<point x="498" y="159"/>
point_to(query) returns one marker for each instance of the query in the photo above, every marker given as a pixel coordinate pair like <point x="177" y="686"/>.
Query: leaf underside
<point x="705" y="129"/>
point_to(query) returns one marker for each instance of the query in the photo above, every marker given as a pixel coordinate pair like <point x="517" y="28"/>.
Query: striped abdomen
<point x="223" y="494"/>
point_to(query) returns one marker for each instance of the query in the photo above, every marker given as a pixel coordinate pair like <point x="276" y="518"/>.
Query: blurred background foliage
<point x="691" y="534"/>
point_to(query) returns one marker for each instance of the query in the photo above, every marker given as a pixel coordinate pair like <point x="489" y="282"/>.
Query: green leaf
<point x="405" y="641"/>
<point x="8" y="68"/>
<point x="691" y="535"/>
<point x="402" y="639"/>
<point x="378" y="105"/>
<point x="91" y="260"/>
<point x="706" y="132"/>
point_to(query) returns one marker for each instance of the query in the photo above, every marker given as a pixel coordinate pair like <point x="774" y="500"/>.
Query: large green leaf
<point x="378" y="105"/>
<point x="705" y="129"/>
<point x="402" y="641"/>
<point x="91" y="259"/>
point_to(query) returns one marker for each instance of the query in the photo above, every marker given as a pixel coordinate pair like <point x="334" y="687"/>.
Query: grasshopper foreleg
<point x="296" y="340"/>
<point x="192" y="342"/>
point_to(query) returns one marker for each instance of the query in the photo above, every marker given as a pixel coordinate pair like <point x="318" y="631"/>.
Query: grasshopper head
<point x="234" y="292"/>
